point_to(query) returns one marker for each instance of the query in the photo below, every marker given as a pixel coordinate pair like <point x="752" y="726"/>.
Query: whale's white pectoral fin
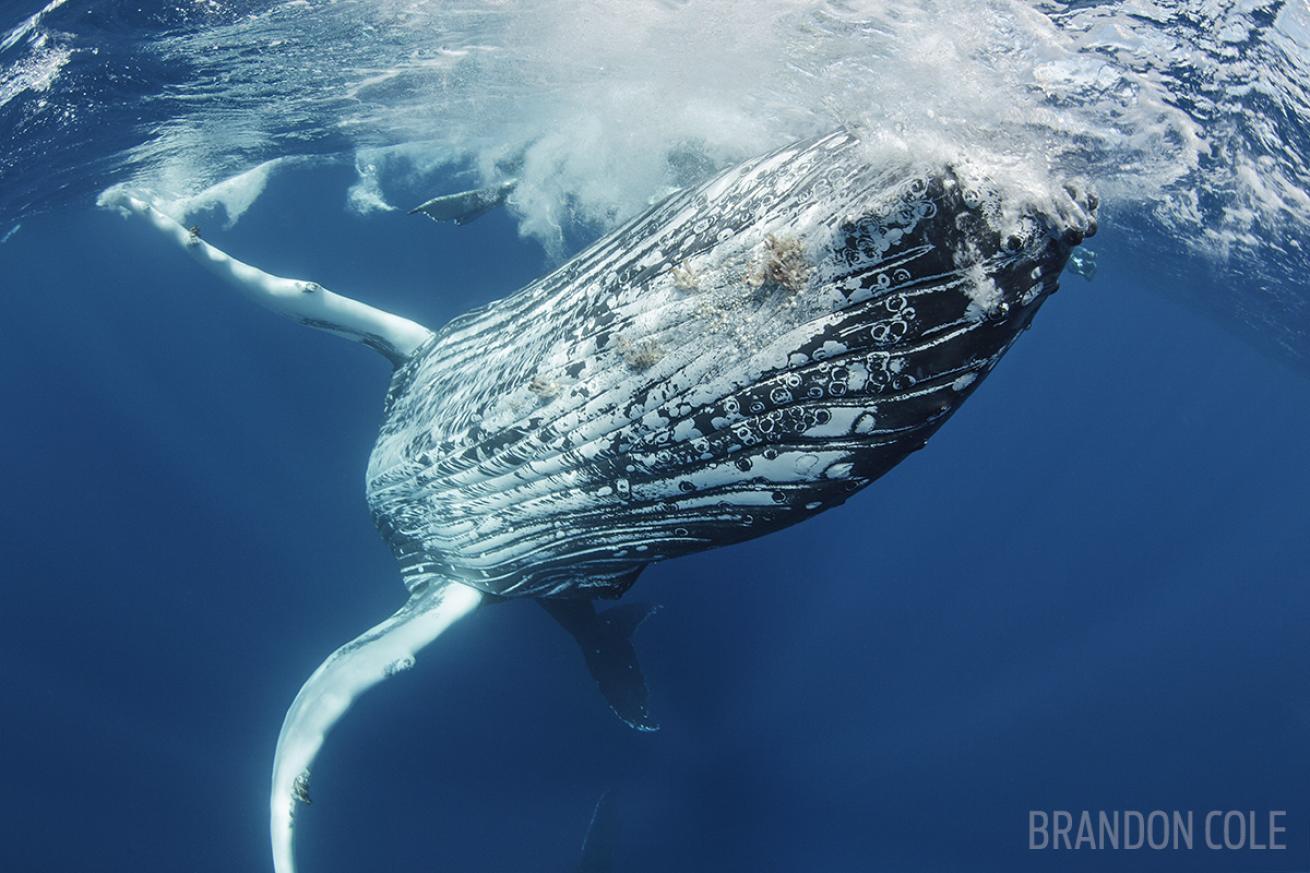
<point x="352" y="669"/>
<point x="306" y="302"/>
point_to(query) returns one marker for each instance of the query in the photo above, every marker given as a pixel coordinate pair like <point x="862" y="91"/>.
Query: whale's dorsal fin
<point x="606" y="642"/>
<point x="465" y="206"/>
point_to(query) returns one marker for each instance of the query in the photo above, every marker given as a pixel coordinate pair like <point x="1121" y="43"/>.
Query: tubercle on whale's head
<point x="1003" y="253"/>
<point x="1022" y="239"/>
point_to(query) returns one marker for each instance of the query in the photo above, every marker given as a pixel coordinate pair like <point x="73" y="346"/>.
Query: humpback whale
<point x="745" y="354"/>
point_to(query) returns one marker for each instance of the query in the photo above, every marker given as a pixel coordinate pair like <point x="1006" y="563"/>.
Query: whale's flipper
<point x="606" y="642"/>
<point x="309" y="303"/>
<point x="465" y="206"/>
<point x="378" y="653"/>
<point x="602" y="835"/>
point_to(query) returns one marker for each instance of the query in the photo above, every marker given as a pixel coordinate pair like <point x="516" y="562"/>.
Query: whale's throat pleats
<point x="743" y="356"/>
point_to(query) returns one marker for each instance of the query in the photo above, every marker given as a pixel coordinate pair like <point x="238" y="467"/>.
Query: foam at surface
<point x="600" y="107"/>
<point x="1187" y="117"/>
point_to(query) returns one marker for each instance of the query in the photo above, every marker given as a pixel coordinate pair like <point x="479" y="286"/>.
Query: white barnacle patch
<point x="639" y="355"/>
<point x="964" y="381"/>
<point x="781" y="263"/>
<point x="300" y="788"/>
<point x="685" y="278"/>
<point x="544" y="386"/>
<point x="400" y="665"/>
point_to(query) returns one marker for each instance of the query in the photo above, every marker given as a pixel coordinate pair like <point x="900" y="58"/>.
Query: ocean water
<point x="1088" y="592"/>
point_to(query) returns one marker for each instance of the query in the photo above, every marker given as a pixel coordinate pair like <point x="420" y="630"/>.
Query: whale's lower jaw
<point x="629" y="424"/>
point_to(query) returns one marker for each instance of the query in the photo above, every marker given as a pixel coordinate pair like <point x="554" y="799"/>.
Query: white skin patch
<point x="964" y="381"/>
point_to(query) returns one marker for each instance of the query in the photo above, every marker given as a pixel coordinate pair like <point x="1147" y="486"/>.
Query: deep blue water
<point x="1089" y="592"/>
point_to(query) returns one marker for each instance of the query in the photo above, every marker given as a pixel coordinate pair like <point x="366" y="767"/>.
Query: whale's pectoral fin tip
<point x="606" y="643"/>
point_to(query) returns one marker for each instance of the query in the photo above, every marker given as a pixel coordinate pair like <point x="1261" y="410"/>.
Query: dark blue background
<point x="1090" y="591"/>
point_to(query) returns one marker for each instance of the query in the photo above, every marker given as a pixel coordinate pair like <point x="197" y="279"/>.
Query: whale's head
<point x="744" y="356"/>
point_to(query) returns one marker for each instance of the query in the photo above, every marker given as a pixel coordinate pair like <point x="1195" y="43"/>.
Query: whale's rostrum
<point x="745" y="354"/>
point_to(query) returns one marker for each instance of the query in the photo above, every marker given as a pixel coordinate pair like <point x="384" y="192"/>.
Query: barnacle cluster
<point x="544" y="387"/>
<point x="782" y="264"/>
<point x="639" y="355"/>
<point x="685" y="278"/>
<point x="300" y="788"/>
<point x="400" y="665"/>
